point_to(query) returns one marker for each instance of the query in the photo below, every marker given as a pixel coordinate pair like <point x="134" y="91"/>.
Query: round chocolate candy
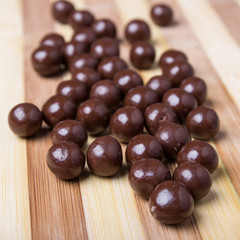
<point x="126" y="123"/>
<point x="70" y="130"/>
<point x="172" y="137"/>
<point x="61" y="10"/>
<point x="178" y="71"/>
<point x="143" y="146"/>
<point x="109" y="66"/>
<point x="73" y="89"/>
<point x="66" y="160"/>
<point x="180" y="101"/>
<point x="58" y="108"/>
<point x="203" y="123"/>
<point x="104" y="28"/>
<point x="52" y="40"/>
<point x="200" y="152"/>
<point x="161" y="14"/>
<point x="195" y="86"/>
<point x="84" y="35"/>
<point x="127" y="79"/>
<point x="146" y="174"/>
<point x="137" y="30"/>
<point x="157" y="114"/>
<point x="140" y="97"/>
<point x="171" y="202"/>
<point x="108" y="92"/>
<point x="104" y="156"/>
<point x="94" y="115"/>
<point x="78" y="19"/>
<point x="25" y="119"/>
<point x="142" y="55"/>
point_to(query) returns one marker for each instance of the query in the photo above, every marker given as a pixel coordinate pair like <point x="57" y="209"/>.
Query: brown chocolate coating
<point x="73" y="89"/>
<point x="66" y="160"/>
<point x="137" y="30"/>
<point x="195" y="86"/>
<point x="171" y="202"/>
<point x="61" y="10"/>
<point x="195" y="177"/>
<point x="157" y="114"/>
<point x="200" y="152"/>
<point x="52" y="40"/>
<point x="161" y="14"/>
<point x="146" y="174"/>
<point x="108" y="92"/>
<point x="140" y="97"/>
<point x="104" y="156"/>
<point x="58" y="108"/>
<point x="94" y="115"/>
<point x="143" y="146"/>
<point x="104" y="28"/>
<point x="70" y="130"/>
<point x="126" y="123"/>
<point x="180" y="101"/>
<point x="127" y="79"/>
<point x="25" y="119"/>
<point x="142" y="55"/>
<point x="84" y="35"/>
<point x="203" y="123"/>
<point x="109" y="66"/>
<point x="172" y="137"/>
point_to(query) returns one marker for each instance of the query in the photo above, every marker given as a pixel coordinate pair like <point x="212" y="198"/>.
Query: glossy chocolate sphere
<point x="104" y="156"/>
<point x="70" y="130"/>
<point x="25" y="119"/>
<point x="172" y="137"/>
<point x="66" y="160"/>
<point x="84" y="35"/>
<point x="58" y="108"/>
<point x="200" y="152"/>
<point x="146" y="174"/>
<point x="203" y="123"/>
<point x="52" y="40"/>
<point x="143" y="146"/>
<point x="94" y="115"/>
<point x="171" y="202"/>
<point x="126" y="123"/>
<point x="157" y="114"/>
<point x="61" y="10"/>
<point x="104" y="28"/>
<point x="161" y="14"/>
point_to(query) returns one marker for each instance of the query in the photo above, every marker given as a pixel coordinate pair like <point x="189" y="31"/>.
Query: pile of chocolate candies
<point x="104" y="92"/>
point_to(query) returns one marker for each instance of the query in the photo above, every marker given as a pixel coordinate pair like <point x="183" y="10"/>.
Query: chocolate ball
<point x="195" y="86"/>
<point x="146" y="174"/>
<point x="200" y="152"/>
<point x="94" y="115"/>
<point x="66" y="160"/>
<point x="137" y="30"/>
<point x="104" y="156"/>
<point x="25" y="119"/>
<point x="203" y="123"/>
<point x="104" y="28"/>
<point x="157" y="114"/>
<point x="180" y="101"/>
<point x="58" y="108"/>
<point x="172" y="137"/>
<point x="61" y="10"/>
<point x="142" y="55"/>
<point x="108" y="92"/>
<point x="70" y="130"/>
<point x="126" y="123"/>
<point x="161" y="14"/>
<point x="78" y="19"/>
<point x="171" y="202"/>
<point x="109" y="66"/>
<point x="52" y="40"/>
<point x="73" y="89"/>
<point x="140" y="97"/>
<point x="143" y="146"/>
<point x="127" y="79"/>
<point x="84" y="35"/>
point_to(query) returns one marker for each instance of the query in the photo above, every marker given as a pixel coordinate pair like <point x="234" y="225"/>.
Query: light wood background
<point x="35" y="204"/>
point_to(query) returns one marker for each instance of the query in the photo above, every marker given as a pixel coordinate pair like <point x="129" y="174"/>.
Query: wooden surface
<point x="35" y="204"/>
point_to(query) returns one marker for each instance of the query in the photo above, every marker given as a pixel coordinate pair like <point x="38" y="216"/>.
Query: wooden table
<point x="36" y="205"/>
